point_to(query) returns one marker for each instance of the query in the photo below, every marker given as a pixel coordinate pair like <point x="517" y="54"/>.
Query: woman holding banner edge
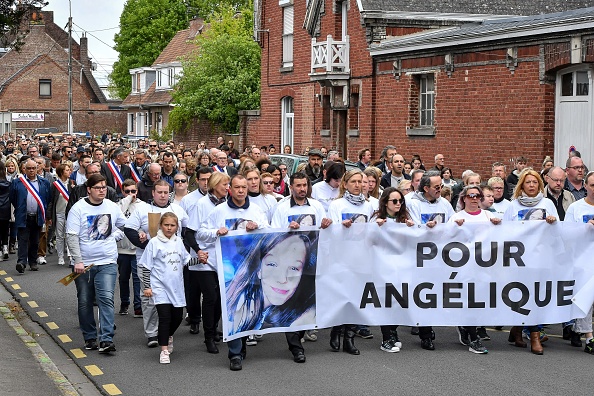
<point x="348" y="207"/>
<point x="529" y="195"/>
<point x="392" y="207"/>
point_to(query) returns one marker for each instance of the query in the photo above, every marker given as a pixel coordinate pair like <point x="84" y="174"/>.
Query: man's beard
<point x="316" y="170"/>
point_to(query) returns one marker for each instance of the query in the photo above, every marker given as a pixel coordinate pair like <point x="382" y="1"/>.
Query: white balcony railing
<point x="330" y="55"/>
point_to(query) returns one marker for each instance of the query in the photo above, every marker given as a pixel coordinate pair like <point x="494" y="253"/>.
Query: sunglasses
<point x="152" y="145"/>
<point x="268" y="182"/>
<point x="180" y="181"/>
<point x="397" y="201"/>
<point x="130" y="191"/>
<point x="472" y="196"/>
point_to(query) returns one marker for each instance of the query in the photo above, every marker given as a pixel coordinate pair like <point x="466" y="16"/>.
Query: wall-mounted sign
<point x="28" y="117"/>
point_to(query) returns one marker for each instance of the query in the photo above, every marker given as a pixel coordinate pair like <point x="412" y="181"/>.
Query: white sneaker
<point x="61" y="261"/>
<point x="251" y="341"/>
<point x="310" y="336"/>
<point x="170" y="345"/>
<point x="164" y="357"/>
<point x="41" y="260"/>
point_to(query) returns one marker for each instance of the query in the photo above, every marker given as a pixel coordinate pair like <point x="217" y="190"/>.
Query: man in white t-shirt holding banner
<point x="91" y="234"/>
<point x="141" y="226"/>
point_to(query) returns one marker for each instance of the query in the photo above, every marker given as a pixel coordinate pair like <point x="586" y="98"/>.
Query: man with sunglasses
<point x="153" y="151"/>
<point x="427" y="207"/>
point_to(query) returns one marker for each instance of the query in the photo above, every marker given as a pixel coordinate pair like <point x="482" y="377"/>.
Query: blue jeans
<point x="236" y="347"/>
<point x="96" y="285"/>
<point x="127" y="267"/>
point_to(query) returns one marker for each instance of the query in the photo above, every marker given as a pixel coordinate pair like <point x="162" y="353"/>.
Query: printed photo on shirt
<point x="355" y="217"/>
<point x="99" y="226"/>
<point x="532" y="214"/>
<point x="587" y="218"/>
<point x="303" y="219"/>
<point x="437" y="217"/>
<point x="269" y="281"/>
<point x="236" y="224"/>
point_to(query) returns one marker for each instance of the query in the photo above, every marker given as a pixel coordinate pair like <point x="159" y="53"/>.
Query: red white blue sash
<point x="62" y="189"/>
<point x="33" y="191"/>
<point x="135" y="174"/>
<point x="117" y="176"/>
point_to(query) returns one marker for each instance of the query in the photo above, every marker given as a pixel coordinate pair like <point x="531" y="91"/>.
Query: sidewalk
<point x="25" y="367"/>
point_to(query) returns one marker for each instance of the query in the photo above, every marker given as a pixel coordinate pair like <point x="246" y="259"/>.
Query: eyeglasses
<point x="578" y="168"/>
<point x="283" y="169"/>
<point x="180" y="181"/>
<point x="396" y="201"/>
<point x="152" y="145"/>
<point x="99" y="188"/>
<point x="130" y="191"/>
<point x="498" y="188"/>
<point x="268" y="182"/>
<point x="31" y="167"/>
<point x="473" y="196"/>
<point x="556" y="180"/>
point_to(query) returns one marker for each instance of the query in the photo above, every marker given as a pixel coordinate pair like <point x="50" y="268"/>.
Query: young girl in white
<point x="161" y="272"/>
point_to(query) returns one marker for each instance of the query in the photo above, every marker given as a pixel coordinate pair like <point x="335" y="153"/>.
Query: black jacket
<point x="124" y="171"/>
<point x="4" y="200"/>
<point x="79" y="192"/>
<point x="145" y="188"/>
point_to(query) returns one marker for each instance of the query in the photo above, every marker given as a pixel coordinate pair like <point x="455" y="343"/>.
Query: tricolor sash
<point x="33" y="191"/>
<point x="117" y="176"/>
<point x="135" y="174"/>
<point x="62" y="189"/>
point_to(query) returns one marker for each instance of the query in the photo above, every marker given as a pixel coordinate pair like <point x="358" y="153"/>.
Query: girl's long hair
<point x="382" y="212"/>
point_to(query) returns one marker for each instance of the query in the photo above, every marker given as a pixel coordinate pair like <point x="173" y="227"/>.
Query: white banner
<point x="521" y="273"/>
<point x="38" y="117"/>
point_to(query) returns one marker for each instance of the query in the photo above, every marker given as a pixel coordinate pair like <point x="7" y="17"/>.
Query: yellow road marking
<point x="32" y="304"/>
<point x="24" y="295"/>
<point x="2" y="272"/>
<point x="8" y="279"/>
<point x="16" y="286"/>
<point x="52" y="325"/>
<point x="78" y="353"/>
<point x="94" y="370"/>
<point x="64" y="338"/>
<point x="112" y="389"/>
<point x="42" y="314"/>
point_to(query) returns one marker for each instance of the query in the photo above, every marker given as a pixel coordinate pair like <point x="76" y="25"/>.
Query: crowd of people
<point x="154" y="213"/>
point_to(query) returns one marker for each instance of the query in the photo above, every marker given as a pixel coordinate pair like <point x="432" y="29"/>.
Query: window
<point x="288" y="36"/>
<point x="575" y="84"/>
<point x="159" y="79"/>
<point x="131" y="123"/>
<point x="171" y="76"/>
<point x="426" y="100"/>
<point x="287" y="121"/>
<point x="45" y="88"/>
<point x="136" y="82"/>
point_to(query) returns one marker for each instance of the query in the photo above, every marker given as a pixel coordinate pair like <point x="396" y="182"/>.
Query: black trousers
<point x="425" y="332"/>
<point x="294" y="341"/>
<point x="387" y="331"/>
<point x="28" y="238"/>
<point x="193" y="294"/>
<point x="211" y="302"/>
<point x="170" y="318"/>
<point x="4" y="229"/>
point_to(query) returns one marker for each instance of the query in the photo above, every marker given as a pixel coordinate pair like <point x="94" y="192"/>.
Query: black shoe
<point x="364" y="333"/>
<point x="576" y="339"/>
<point x="567" y="332"/>
<point x="211" y="347"/>
<point x="20" y="268"/>
<point x="124" y="310"/>
<point x="498" y="328"/>
<point x="348" y="343"/>
<point x="91" y="344"/>
<point x="34" y="267"/>
<point x="335" y="340"/>
<point x="463" y="336"/>
<point x="589" y="347"/>
<point x="481" y="332"/>
<point x="414" y="330"/>
<point x="235" y="364"/>
<point x="217" y="337"/>
<point x="427" y="344"/>
<point x="106" y="347"/>
<point x="152" y="342"/>
<point x="194" y="328"/>
<point x="299" y="357"/>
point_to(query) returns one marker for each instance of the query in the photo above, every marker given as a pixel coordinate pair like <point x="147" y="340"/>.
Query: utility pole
<point x="70" y="123"/>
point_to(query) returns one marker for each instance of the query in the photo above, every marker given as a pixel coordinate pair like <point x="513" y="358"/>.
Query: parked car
<point x="292" y="161"/>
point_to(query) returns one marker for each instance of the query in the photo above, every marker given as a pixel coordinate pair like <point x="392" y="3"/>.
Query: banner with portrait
<point x="267" y="281"/>
<point x="518" y="273"/>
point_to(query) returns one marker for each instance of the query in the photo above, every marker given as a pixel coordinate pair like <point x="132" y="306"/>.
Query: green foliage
<point x="165" y="136"/>
<point x="11" y="17"/>
<point x="222" y="78"/>
<point x="147" y="26"/>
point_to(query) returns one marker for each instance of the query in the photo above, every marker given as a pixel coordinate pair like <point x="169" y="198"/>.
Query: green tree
<point x="147" y="26"/>
<point x="222" y="77"/>
<point x="12" y="12"/>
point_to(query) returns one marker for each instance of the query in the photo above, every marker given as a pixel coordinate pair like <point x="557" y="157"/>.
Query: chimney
<point x="196" y="27"/>
<point x="84" y="52"/>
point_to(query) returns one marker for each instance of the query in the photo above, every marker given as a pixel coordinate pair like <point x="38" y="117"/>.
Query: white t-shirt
<point x="306" y="215"/>
<point x="340" y="209"/>
<point x="580" y="211"/>
<point x="266" y="202"/>
<point x="233" y="219"/>
<point x="324" y="194"/>
<point x="519" y="212"/>
<point x="139" y="219"/>
<point x="482" y="216"/>
<point x="374" y="202"/>
<point x="96" y="226"/>
<point x="422" y="211"/>
<point x="166" y="260"/>
<point x="500" y="208"/>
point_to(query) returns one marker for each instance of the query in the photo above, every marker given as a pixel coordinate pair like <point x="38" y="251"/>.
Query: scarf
<point x="163" y="238"/>
<point x="215" y="201"/>
<point x="281" y="187"/>
<point x="529" y="201"/>
<point x="354" y="199"/>
<point x="233" y="206"/>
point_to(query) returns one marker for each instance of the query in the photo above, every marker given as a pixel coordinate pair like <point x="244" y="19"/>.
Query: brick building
<point x="35" y="80"/>
<point x="468" y="79"/>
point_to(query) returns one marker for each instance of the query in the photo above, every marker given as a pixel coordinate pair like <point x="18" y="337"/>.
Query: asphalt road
<point x="269" y="369"/>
